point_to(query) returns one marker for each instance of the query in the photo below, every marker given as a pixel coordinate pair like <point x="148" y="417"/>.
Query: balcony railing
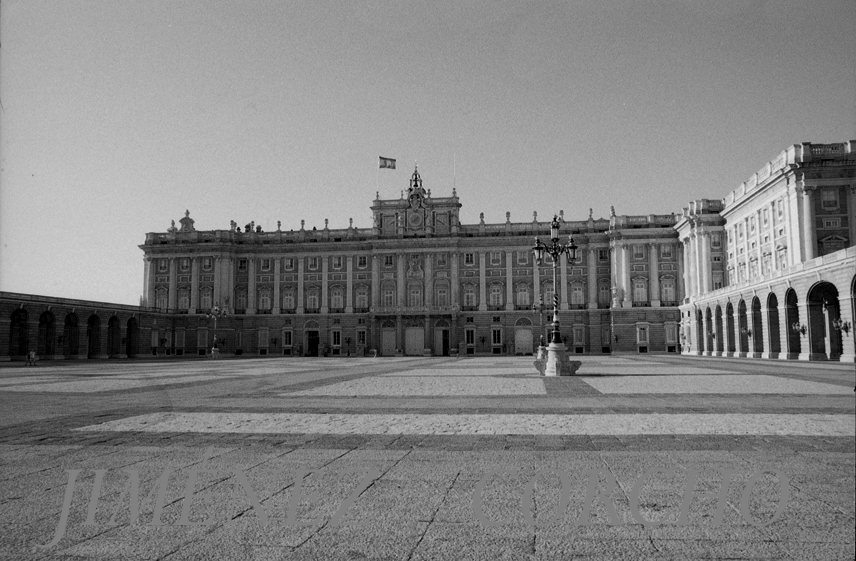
<point x="361" y="310"/>
<point x="641" y="304"/>
<point x="312" y="310"/>
<point x="668" y="303"/>
<point x="337" y="310"/>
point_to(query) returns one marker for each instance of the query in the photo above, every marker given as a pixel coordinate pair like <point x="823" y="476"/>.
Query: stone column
<point x="698" y="287"/>
<point x="151" y="265"/>
<point x="301" y="298"/>
<point x="536" y="282"/>
<point x="563" y="282"/>
<point x="402" y="287"/>
<point x="793" y="226"/>
<point x="375" y="285"/>
<point x="509" y="282"/>
<point x="277" y="296"/>
<point x="251" y="285"/>
<point x="482" y="282"/>
<point x="173" y="283"/>
<point x="704" y="262"/>
<point x="194" y="285"/>
<point x="325" y="285"/>
<point x="455" y="281"/>
<point x="765" y="332"/>
<point x="785" y="332"/>
<point x="216" y="296"/>
<point x="809" y="233"/>
<point x="772" y="225"/>
<point x="428" y="294"/>
<point x="349" y="284"/>
<point x="685" y="266"/>
<point x="614" y="258"/>
<point x="592" y="278"/>
<point x="653" y="275"/>
<point x="625" y="276"/>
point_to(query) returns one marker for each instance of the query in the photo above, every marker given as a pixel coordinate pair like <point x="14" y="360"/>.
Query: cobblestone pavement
<point x="411" y="458"/>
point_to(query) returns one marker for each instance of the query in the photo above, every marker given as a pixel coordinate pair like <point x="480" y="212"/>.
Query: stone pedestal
<point x="554" y="361"/>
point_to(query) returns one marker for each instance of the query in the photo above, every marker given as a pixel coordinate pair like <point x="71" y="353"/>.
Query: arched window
<point x="205" y="299"/>
<point x="162" y="298"/>
<point x="389" y="295"/>
<point x="414" y="296"/>
<point x="578" y="296"/>
<point x="604" y="292"/>
<point x="337" y="297"/>
<point x="469" y="295"/>
<point x="183" y="299"/>
<point x="667" y="290"/>
<point x="312" y="299"/>
<point x="640" y="290"/>
<point x="241" y="300"/>
<point x="264" y="299"/>
<point x="362" y="297"/>
<point x="522" y="294"/>
<point x="496" y="295"/>
<point x="288" y="300"/>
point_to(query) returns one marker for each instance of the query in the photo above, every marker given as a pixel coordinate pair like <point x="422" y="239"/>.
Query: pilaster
<point x="173" y="283"/>
<point x="349" y="284"/>
<point x="194" y="285"/>
<point x="592" y="278"/>
<point x="325" y="284"/>
<point x="653" y="275"/>
<point x="563" y="282"/>
<point x="277" y="274"/>
<point x="509" y="282"/>
<point x="251" y="285"/>
<point x="482" y="282"/>
<point x="301" y="298"/>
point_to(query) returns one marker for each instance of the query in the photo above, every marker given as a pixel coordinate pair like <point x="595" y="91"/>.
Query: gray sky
<point x="119" y="115"/>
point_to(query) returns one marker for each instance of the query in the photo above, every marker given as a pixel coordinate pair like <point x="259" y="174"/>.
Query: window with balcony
<point x="578" y="296"/>
<point x="163" y="265"/>
<point x="183" y="299"/>
<point x="715" y="240"/>
<point x="289" y="263"/>
<point x="337" y="262"/>
<point x="522" y="257"/>
<point x="362" y="262"/>
<point x="640" y="291"/>
<point x="495" y="258"/>
<point x="207" y="263"/>
<point x="264" y="300"/>
<point x="604" y="293"/>
<point x="362" y="299"/>
<point x="522" y="295"/>
<point x="205" y="299"/>
<point x="603" y="255"/>
<point x="638" y="252"/>
<point x="184" y="264"/>
<point x="442" y="296"/>
<point x="388" y="260"/>
<point x="161" y="298"/>
<point x="242" y="265"/>
<point x="547" y="291"/>
<point x="312" y="300"/>
<point x="496" y="295"/>
<point x="388" y="297"/>
<point x="667" y="291"/>
<point x="469" y="259"/>
<point x="241" y="300"/>
<point x="288" y="300"/>
<point x="829" y="198"/>
<point x="313" y="263"/>
<point x="337" y="298"/>
<point x="415" y="296"/>
<point x="469" y="295"/>
<point x="666" y="251"/>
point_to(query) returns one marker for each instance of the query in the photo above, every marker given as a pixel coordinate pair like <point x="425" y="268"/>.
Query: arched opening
<point x="823" y="309"/>
<point x="132" y="343"/>
<point x="792" y="319"/>
<point x="699" y="343"/>
<point x="729" y="327"/>
<point x="708" y="332"/>
<point x="47" y="335"/>
<point x="114" y="337"/>
<point x="93" y="337"/>
<point x="718" y="342"/>
<point x="19" y="336"/>
<point x="742" y="329"/>
<point x="773" y="324"/>
<point x="71" y="335"/>
<point x="757" y="328"/>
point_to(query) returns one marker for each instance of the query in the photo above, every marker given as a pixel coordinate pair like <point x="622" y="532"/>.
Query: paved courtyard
<point x="436" y="458"/>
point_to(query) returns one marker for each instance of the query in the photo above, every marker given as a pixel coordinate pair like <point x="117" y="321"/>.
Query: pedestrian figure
<point x="31" y="359"/>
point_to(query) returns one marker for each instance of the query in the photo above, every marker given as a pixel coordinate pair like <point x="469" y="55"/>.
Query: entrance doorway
<point x="414" y="341"/>
<point x="313" y="342"/>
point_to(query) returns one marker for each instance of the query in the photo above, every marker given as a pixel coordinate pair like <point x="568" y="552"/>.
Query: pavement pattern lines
<point x="428" y="386"/>
<point x="718" y="384"/>
<point x="487" y="424"/>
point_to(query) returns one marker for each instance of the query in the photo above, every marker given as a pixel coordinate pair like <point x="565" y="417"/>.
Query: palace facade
<point x="766" y="272"/>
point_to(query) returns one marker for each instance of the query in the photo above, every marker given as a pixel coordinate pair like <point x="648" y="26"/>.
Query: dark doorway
<point x="47" y="335"/>
<point x="445" y="342"/>
<point x="19" y="339"/>
<point x="792" y="318"/>
<point x="114" y="335"/>
<point x="313" y="343"/>
<point x="93" y="337"/>
<point x="71" y="335"/>
<point x="132" y="345"/>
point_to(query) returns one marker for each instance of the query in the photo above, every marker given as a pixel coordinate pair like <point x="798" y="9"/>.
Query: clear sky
<point x="119" y="115"/>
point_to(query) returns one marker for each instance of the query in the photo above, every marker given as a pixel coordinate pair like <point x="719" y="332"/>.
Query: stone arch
<point x="387" y="324"/>
<point x="708" y="331"/>
<point x="773" y="339"/>
<point x="730" y="330"/>
<point x="311" y="324"/>
<point x="718" y="343"/>
<point x="93" y="336"/>
<point x="442" y="323"/>
<point x="792" y="319"/>
<point x="523" y="322"/>
<point x="47" y="335"/>
<point x="19" y="333"/>
<point x="71" y="335"/>
<point x="757" y="328"/>
<point x="114" y="337"/>
<point x="823" y="309"/>
<point x="132" y="334"/>
<point x="742" y="329"/>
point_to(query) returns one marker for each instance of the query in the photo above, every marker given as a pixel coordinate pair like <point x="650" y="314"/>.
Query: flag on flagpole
<point x="387" y="163"/>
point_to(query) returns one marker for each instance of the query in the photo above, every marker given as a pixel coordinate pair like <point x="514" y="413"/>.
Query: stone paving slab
<point x="722" y="384"/>
<point x="430" y="386"/>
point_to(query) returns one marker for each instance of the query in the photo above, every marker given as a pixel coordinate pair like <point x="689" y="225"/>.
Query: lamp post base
<point x="556" y="362"/>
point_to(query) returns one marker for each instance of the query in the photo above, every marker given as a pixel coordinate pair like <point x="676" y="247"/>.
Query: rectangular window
<point x="780" y="208"/>
<point x="717" y="280"/>
<point x="496" y="336"/>
<point x="264" y="338"/>
<point x="666" y="251"/>
<point x="766" y="216"/>
<point x="829" y="198"/>
<point x="337" y="262"/>
<point x="289" y="263"/>
<point x="715" y="240"/>
<point x="207" y="263"/>
<point x="443" y="296"/>
<point x="603" y="255"/>
<point x="337" y="338"/>
<point x="313" y="263"/>
<point x="522" y="257"/>
<point x="362" y="262"/>
<point x="265" y="264"/>
<point x="388" y="260"/>
<point x="751" y="224"/>
<point x="442" y="260"/>
<point x="579" y="335"/>
<point x="781" y="232"/>
<point x="717" y="258"/>
<point x="361" y="337"/>
<point x="495" y="258"/>
<point x="469" y="259"/>
<point x="832" y="223"/>
<point x="389" y="297"/>
<point x="287" y="338"/>
<point x="470" y="336"/>
<point x="642" y="334"/>
<point x="163" y="265"/>
<point x="671" y="333"/>
<point x="185" y="264"/>
<point x="242" y="265"/>
<point x="638" y="252"/>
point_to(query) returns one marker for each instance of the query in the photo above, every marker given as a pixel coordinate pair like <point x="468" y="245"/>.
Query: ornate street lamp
<point x="539" y="307"/>
<point x="798" y="328"/>
<point x="556" y="357"/>
<point x="841" y="325"/>
<point x="215" y="313"/>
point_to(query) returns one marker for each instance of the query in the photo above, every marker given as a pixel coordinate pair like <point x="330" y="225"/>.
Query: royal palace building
<point x="766" y="272"/>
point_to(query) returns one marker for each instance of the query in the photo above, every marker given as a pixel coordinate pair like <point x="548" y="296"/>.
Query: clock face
<point x="415" y="220"/>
